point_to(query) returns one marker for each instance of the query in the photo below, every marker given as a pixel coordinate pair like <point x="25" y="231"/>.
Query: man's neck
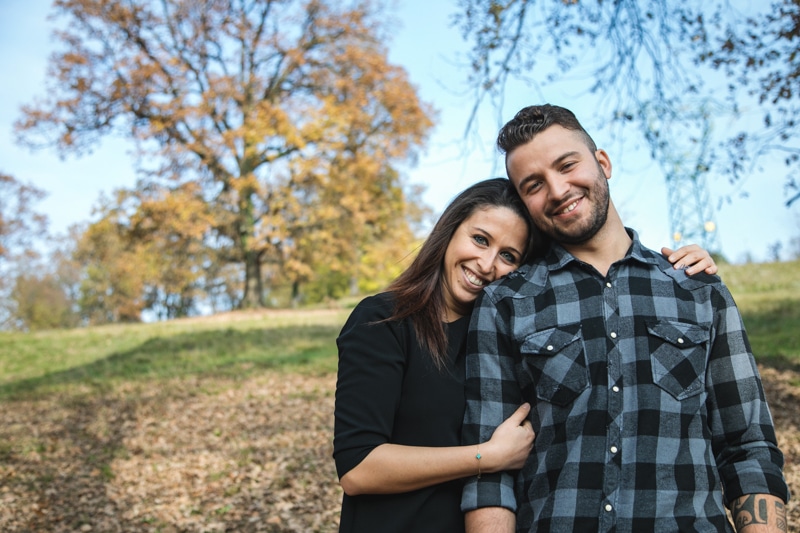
<point x="608" y="246"/>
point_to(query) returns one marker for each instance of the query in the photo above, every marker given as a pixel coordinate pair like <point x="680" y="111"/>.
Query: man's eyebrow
<point x="557" y="161"/>
<point x="567" y="155"/>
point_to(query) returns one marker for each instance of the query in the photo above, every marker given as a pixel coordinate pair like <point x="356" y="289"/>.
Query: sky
<point x="426" y="45"/>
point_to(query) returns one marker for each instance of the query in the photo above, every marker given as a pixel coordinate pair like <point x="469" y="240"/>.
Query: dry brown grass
<point x="208" y="455"/>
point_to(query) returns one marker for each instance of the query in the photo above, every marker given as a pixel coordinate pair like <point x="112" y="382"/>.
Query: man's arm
<point x="757" y="513"/>
<point x="749" y="461"/>
<point x="490" y="520"/>
<point x="491" y="392"/>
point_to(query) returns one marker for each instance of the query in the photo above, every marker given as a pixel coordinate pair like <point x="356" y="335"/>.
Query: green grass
<point x="768" y="296"/>
<point x="101" y="357"/>
<point x="238" y="345"/>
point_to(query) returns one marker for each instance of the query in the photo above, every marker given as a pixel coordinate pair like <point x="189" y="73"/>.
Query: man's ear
<point x="604" y="161"/>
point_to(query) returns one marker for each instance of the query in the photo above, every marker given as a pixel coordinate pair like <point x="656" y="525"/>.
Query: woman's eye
<point x="508" y="256"/>
<point x="480" y="239"/>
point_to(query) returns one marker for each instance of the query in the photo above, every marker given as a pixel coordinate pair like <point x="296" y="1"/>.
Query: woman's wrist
<point x="489" y="463"/>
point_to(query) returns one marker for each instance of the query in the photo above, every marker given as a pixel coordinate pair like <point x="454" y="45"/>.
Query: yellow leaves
<point x="296" y="269"/>
<point x="268" y="121"/>
<point x="115" y="273"/>
<point x="245" y="186"/>
<point x="180" y="211"/>
<point x="149" y="247"/>
<point x="288" y="123"/>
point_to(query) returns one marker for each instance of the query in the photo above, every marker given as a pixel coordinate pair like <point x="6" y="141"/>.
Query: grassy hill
<point x="230" y="344"/>
<point x="238" y="344"/>
<point x="768" y="296"/>
<point x="225" y="423"/>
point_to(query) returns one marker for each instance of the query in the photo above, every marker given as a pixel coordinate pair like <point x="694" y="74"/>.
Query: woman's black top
<point x="389" y="390"/>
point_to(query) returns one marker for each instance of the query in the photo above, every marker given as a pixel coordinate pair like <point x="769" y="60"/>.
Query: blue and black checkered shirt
<point x="647" y="404"/>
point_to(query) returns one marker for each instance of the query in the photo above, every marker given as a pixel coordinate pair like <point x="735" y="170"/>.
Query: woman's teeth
<point x="472" y="278"/>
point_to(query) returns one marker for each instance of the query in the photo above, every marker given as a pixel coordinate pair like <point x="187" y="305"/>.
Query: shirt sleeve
<point x="492" y="395"/>
<point x="369" y="382"/>
<point x="743" y="433"/>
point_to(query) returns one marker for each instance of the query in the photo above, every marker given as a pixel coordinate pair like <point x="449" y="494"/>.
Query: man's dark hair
<point x="531" y="120"/>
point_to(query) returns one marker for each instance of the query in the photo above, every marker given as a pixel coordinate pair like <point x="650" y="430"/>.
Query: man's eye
<point x="534" y="186"/>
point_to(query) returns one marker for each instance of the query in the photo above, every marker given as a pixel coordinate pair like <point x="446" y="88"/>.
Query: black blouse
<point x="389" y="390"/>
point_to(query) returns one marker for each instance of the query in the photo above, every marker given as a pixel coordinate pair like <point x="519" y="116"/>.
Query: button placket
<point x="612" y="474"/>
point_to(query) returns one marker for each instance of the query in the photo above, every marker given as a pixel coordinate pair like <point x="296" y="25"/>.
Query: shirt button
<point x="680" y="340"/>
<point x="615" y="388"/>
<point x="549" y="347"/>
<point x="613" y="335"/>
<point x="614" y="449"/>
<point x="608" y="507"/>
<point x="608" y="284"/>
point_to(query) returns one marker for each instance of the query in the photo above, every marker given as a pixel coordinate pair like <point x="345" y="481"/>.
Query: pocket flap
<point x="551" y="341"/>
<point x="680" y="334"/>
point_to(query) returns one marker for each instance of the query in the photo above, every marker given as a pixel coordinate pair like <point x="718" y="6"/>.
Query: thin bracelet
<point x="478" y="457"/>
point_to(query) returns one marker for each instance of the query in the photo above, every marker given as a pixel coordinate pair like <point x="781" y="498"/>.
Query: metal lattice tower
<point x="679" y="142"/>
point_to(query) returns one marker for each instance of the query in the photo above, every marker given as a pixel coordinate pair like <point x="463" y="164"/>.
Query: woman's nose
<point x="486" y="262"/>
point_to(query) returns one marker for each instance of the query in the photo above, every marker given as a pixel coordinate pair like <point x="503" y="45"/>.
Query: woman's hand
<point x="692" y="258"/>
<point x="511" y="443"/>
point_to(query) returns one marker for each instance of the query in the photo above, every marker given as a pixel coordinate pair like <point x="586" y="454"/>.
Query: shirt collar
<point x="557" y="257"/>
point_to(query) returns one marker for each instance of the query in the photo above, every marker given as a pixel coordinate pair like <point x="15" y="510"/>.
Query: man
<point x="647" y="404"/>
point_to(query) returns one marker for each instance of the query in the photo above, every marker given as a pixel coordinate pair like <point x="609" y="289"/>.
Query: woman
<point x="399" y="394"/>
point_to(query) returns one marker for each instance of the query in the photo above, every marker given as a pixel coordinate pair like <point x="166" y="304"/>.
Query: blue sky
<point x="428" y="48"/>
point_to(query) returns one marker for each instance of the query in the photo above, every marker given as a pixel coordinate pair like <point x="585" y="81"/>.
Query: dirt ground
<point x="209" y="456"/>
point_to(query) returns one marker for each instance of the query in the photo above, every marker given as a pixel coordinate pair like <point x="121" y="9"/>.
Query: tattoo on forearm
<point x="781" y="522"/>
<point x="754" y="509"/>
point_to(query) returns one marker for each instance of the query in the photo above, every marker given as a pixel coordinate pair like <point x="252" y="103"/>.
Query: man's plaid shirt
<point x="646" y="399"/>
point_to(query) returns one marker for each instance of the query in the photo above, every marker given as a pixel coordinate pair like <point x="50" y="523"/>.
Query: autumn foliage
<point x="269" y="137"/>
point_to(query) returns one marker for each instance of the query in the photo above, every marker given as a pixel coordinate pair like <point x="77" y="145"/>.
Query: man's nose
<point x="558" y="188"/>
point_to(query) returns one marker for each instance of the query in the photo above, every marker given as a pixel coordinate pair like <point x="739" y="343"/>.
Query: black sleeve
<point x="371" y="367"/>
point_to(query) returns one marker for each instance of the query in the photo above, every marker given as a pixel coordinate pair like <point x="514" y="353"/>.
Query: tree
<point x="170" y="226"/>
<point x="240" y="98"/>
<point x="147" y="251"/>
<point x="760" y="54"/>
<point x="114" y="269"/>
<point x="41" y="302"/>
<point x="19" y="224"/>
<point x="661" y="54"/>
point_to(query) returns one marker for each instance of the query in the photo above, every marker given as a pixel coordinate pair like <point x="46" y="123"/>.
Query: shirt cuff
<point x="491" y="490"/>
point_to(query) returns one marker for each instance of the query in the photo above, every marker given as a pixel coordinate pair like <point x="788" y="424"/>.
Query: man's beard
<point x="597" y="220"/>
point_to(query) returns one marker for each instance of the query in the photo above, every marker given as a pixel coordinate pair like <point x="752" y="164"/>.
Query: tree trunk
<point x="354" y="285"/>
<point x="253" y="296"/>
<point x="295" y="293"/>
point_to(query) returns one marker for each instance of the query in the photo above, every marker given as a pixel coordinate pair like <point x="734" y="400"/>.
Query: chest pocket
<point x="556" y="363"/>
<point x="679" y="356"/>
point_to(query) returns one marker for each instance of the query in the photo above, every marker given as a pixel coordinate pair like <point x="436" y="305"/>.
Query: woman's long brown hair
<point x="418" y="290"/>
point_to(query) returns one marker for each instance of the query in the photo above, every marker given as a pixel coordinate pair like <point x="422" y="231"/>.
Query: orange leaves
<point x="287" y="120"/>
<point x="181" y="211"/>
